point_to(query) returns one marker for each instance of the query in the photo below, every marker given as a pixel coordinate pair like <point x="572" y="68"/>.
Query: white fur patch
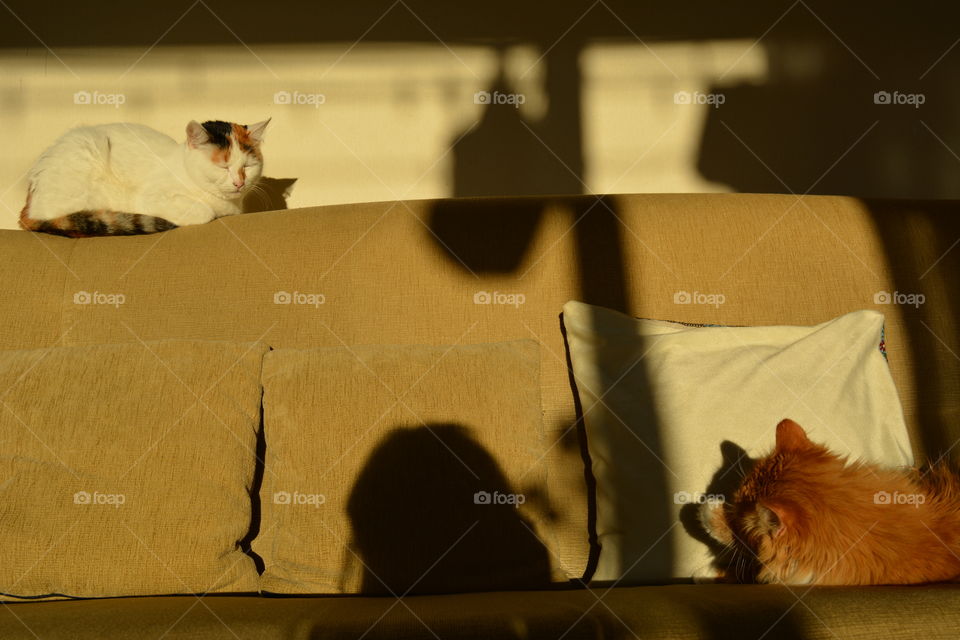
<point x="132" y="168"/>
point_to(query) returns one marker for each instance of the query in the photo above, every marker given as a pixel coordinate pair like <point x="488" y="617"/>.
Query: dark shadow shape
<point x="505" y="155"/>
<point x="420" y="525"/>
<point x="599" y="241"/>
<point x="822" y="121"/>
<point x="255" y="507"/>
<point x="496" y="239"/>
<point x="735" y="467"/>
<point x="270" y="194"/>
<point x="914" y="235"/>
<point x="487" y="239"/>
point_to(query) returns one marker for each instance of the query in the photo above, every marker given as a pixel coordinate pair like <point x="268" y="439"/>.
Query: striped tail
<point x="101" y="222"/>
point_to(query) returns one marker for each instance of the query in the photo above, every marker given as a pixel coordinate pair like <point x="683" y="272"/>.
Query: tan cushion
<point x="396" y="468"/>
<point x="125" y="469"/>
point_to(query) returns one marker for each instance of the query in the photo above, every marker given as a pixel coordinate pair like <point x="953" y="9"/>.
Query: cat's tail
<point x="86" y="224"/>
<point x="99" y="222"/>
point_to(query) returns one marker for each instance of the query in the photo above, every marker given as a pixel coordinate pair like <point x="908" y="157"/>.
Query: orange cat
<point x="804" y="515"/>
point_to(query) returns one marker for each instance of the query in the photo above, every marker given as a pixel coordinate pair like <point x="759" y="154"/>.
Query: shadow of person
<point x="269" y="194"/>
<point x="735" y="467"/>
<point x="431" y="512"/>
<point x="505" y="155"/>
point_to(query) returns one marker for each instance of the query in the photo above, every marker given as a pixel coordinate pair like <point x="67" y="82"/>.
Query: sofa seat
<point x="708" y="612"/>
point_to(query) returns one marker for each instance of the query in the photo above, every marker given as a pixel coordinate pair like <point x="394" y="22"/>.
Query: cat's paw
<point x="714" y="522"/>
<point x="706" y="574"/>
<point x="194" y="213"/>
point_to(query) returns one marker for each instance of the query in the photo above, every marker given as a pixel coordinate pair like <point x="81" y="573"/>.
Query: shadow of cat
<point x="269" y="194"/>
<point x="736" y="465"/>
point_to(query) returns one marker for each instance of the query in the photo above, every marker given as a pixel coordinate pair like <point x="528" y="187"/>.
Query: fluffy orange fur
<point x="804" y="515"/>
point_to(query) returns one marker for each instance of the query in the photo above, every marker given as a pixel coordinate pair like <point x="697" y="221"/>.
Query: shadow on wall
<point x="826" y="62"/>
<point x="269" y="194"/>
<point x="845" y="109"/>
<point x="863" y="116"/>
<point x="505" y="155"/>
<point x="419" y="527"/>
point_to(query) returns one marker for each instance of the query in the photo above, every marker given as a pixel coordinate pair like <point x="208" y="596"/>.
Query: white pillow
<point x="659" y="398"/>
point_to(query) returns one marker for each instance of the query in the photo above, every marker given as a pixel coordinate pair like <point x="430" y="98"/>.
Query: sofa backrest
<point x="486" y="270"/>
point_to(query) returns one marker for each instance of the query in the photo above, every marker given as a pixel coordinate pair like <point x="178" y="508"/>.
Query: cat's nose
<point x="238" y="183"/>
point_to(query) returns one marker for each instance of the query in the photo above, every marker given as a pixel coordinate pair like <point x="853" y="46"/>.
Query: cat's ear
<point x="791" y="436"/>
<point x="257" y="130"/>
<point x="196" y="134"/>
<point x="775" y="518"/>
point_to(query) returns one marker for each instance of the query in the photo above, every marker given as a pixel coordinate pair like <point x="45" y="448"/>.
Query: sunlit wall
<point x="366" y="122"/>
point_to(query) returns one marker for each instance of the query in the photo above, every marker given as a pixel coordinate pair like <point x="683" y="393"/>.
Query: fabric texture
<point x="403" y="468"/>
<point x="678" y="612"/>
<point x="408" y="273"/>
<point x="125" y="469"/>
<point x="670" y="410"/>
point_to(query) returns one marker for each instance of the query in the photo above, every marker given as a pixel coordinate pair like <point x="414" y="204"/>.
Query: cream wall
<point x="388" y="114"/>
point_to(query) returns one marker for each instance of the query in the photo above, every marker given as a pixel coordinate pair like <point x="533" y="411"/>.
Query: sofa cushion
<point x="125" y="469"/>
<point x="403" y="468"/>
<point x="673" y="413"/>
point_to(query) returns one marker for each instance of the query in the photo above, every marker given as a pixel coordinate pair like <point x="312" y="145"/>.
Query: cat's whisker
<point x="261" y="193"/>
<point x="259" y="190"/>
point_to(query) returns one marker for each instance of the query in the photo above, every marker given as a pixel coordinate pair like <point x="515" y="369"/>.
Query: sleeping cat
<point x="804" y="515"/>
<point x="126" y="179"/>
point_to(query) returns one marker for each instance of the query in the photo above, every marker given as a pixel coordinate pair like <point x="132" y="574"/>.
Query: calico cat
<point x="804" y="515"/>
<point x="126" y="179"/>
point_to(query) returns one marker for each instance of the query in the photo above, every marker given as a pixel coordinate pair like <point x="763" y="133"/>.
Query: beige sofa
<point x="399" y="273"/>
